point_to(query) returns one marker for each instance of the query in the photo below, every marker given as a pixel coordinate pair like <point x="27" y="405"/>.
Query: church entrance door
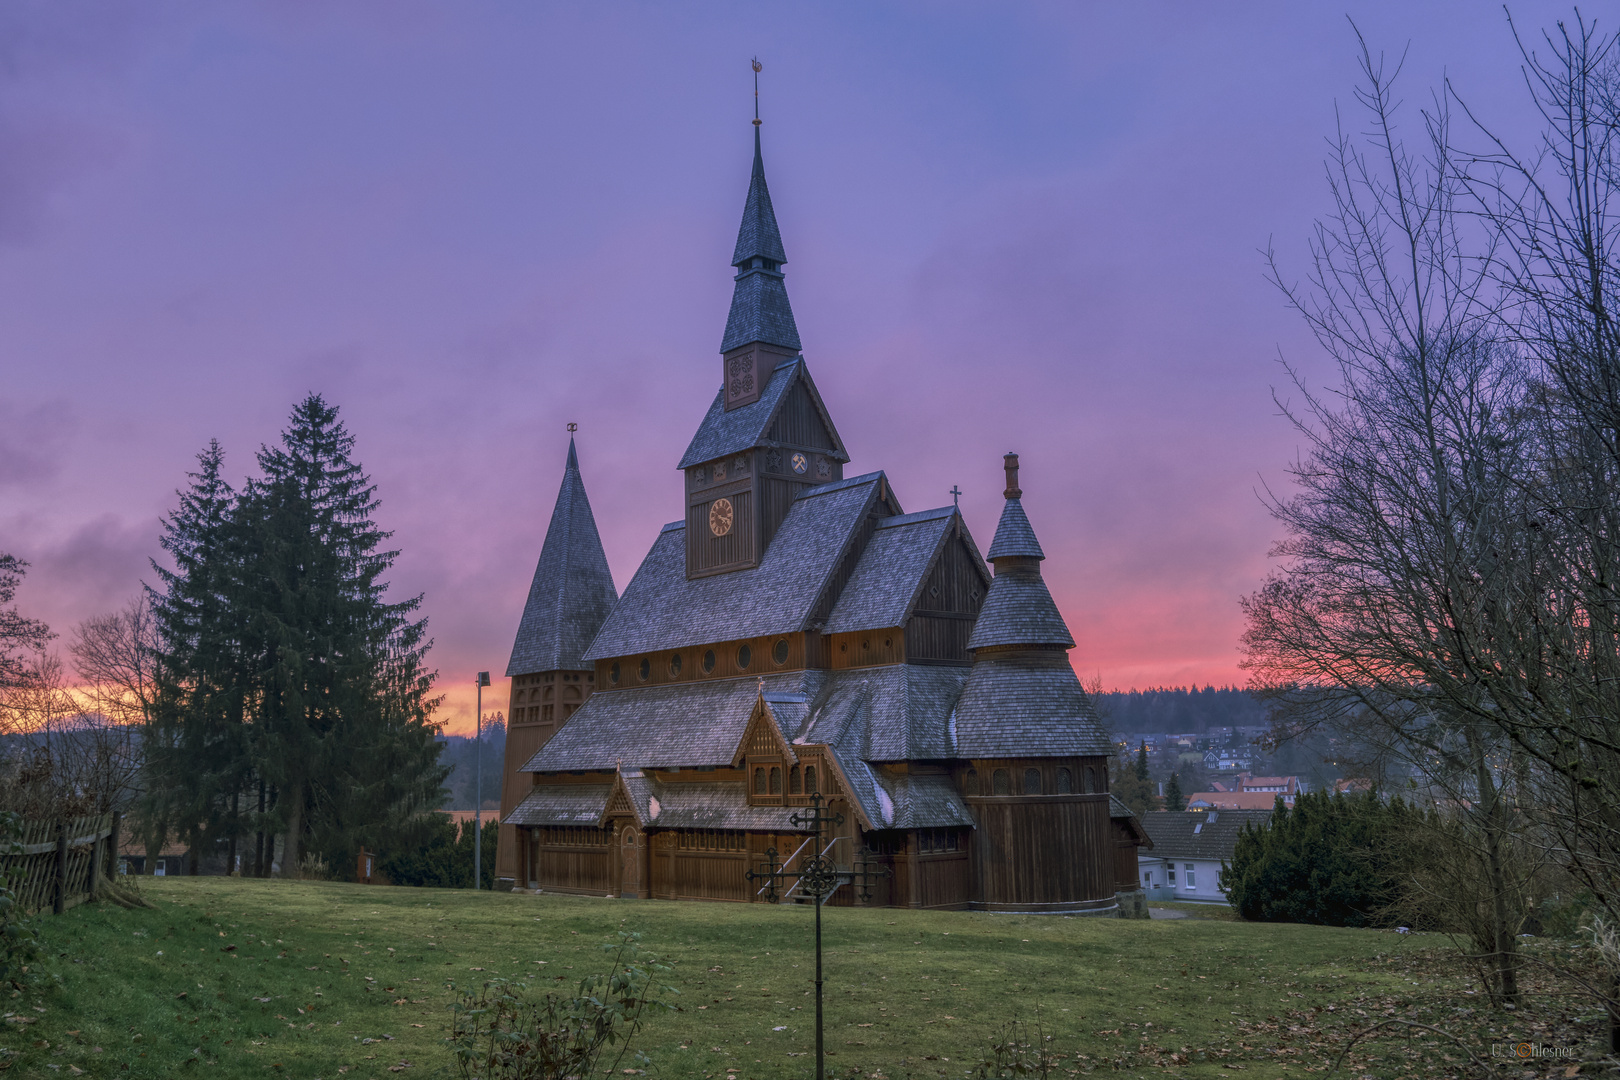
<point x="629" y="863"/>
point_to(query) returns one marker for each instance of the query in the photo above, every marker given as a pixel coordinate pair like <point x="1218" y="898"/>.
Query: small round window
<point x="708" y="662"/>
<point x="646" y="668"/>
<point x="613" y="673"/>
<point x="745" y="656"/>
<point x="780" y="652"/>
<point x="675" y="664"/>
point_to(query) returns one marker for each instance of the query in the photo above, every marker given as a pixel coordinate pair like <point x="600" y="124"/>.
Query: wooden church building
<point x="797" y="633"/>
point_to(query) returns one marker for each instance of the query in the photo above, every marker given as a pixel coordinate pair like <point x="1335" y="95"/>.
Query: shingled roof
<point x="759" y="306"/>
<point x="722" y="433"/>
<point x="893" y="569"/>
<point x="663" y="609"/>
<point x="1015" y="708"/>
<point x="1019" y="610"/>
<point x="1184" y="834"/>
<point x="572" y="591"/>
<point x="1014" y="536"/>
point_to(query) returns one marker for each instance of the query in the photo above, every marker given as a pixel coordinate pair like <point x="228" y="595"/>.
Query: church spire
<point x="572" y="591"/>
<point x="760" y="312"/>
<point x="1018" y="610"/>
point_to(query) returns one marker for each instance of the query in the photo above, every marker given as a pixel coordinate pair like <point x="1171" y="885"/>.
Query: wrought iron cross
<point x="956" y="496"/>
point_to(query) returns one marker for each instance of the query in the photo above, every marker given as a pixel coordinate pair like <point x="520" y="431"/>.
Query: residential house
<point x="1189" y="850"/>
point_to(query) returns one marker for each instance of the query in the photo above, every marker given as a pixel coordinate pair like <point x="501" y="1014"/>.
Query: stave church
<point x="798" y="634"/>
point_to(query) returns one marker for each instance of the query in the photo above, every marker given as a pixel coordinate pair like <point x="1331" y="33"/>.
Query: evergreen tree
<point x="194" y="742"/>
<point x="293" y="697"/>
<point x="1142" y="761"/>
<point x="1173" y="798"/>
<point x="1331" y="860"/>
<point x="1133" y="789"/>
<point x="344" y="696"/>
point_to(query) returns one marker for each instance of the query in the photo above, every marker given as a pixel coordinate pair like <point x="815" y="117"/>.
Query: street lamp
<point x="478" y="784"/>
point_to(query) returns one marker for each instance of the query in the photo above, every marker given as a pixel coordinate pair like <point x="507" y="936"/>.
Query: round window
<point x="675" y="664"/>
<point x="780" y="652"/>
<point x="745" y="655"/>
<point x="646" y="668"/>
<point x="708" y="662"/>
<point x="613" y="673"/>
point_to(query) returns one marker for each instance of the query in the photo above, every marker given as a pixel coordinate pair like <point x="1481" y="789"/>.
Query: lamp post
<point x="478" y="784"/>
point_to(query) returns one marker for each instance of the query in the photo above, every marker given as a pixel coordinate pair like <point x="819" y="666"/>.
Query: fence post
<point x="112" y="845"/>
<point x="61" y="868"/>
<point x="94" y="873"/>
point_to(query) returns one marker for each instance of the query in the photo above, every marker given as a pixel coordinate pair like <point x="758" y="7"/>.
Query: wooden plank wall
<point x="586" y="868"/>
<point x="1042" y="850"/>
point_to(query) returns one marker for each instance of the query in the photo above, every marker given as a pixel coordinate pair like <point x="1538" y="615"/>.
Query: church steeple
<point x="760" y="331"/>
<point x="572" y="591"/>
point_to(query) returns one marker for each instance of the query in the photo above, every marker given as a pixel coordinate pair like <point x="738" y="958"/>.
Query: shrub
<point x="508" y="1031"/>
<point x="1331" y="860"/>
<point x="19" y="941"/>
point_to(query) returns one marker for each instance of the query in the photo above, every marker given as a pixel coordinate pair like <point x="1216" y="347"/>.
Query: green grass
<point x="359" y="979"/>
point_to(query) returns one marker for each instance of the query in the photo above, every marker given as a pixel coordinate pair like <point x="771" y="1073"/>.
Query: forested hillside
<point x="1179" y="709"/>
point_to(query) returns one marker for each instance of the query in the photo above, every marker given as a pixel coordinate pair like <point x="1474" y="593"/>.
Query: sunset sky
<point x="1032" y="227"/>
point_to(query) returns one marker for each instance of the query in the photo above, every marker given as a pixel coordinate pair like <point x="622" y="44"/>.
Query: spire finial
<point x="1010" y="463"/>
<point x="572" y="428"/>
<point x="758" y="67"/>
<point x="956" y="496"/>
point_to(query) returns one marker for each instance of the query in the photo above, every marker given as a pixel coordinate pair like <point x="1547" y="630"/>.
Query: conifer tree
<point x="1141" y="761"/>
<point x="1173" y="798"/>
<point x="342" y="726"/>
<point x="195" y="741"/>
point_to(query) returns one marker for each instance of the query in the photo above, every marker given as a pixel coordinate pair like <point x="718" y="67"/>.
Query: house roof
<point x="722" y="433"/>
<point x="663" y="609"/>
<point x="572" y="591"/>
<point x="1192" y="835"/>
<point x="1014" y="708"/>
<point x="889" y="578"/>
<point x="1235" y="800"/>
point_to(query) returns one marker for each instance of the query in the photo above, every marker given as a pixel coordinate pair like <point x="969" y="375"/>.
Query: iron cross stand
<point x="818" y="878"/>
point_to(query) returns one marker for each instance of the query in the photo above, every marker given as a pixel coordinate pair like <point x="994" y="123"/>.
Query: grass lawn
<point x="233" y="978"/>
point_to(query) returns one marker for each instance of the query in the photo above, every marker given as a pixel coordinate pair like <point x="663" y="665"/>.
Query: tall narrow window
<point x="795" y="781"/>
<point x="1091" y="780"/>
<point x="1000" y="782"/>
<point x="810" y="786"/>
<point x="1065" y="782"/>
<point x="759" y="781"/>
<point x="1032" y="781"/>
<point x="776" y="780"/>
<point x="972" y="781"/>
<point x="1192" y="880"/>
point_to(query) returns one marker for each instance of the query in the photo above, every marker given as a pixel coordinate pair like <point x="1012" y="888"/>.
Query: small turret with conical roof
<point x="1022" y="698"/>
<point x="1019" y="610"/>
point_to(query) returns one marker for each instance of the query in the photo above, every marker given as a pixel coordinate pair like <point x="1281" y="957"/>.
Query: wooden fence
<point x="63" y="862"/>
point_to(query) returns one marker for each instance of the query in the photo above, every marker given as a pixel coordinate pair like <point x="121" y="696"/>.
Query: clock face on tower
<point x="800" y="463"/>
<point x="720" y="514"/>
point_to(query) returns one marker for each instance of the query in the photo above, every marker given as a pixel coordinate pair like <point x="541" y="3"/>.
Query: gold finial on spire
<point x="758" y="67"/>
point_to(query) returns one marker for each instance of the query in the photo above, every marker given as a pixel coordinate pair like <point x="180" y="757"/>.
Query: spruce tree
<point x="344" y="696"/>
<point x="1141" y="761"/>
<point x="195" y="740"/>
<point x="1173" y="798"/>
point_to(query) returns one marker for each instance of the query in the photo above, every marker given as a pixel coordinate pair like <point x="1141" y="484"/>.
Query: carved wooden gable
<point x="620" y="804"/>
<point x="762" y="738"/>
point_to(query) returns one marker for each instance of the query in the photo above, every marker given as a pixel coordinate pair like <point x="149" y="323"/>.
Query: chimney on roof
<point x="1010" y="462"/>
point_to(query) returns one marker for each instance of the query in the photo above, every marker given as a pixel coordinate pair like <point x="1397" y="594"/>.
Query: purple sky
<point x="1031" y="227"/>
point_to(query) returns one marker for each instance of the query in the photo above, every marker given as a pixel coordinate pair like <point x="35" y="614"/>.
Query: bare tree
<point x="1407" y="513"/>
